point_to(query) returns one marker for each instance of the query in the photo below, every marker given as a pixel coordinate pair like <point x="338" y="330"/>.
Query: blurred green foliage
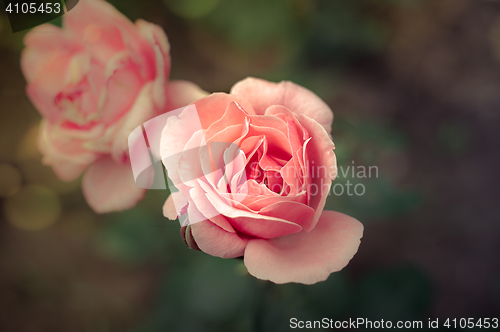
<point x="361" y="147"/>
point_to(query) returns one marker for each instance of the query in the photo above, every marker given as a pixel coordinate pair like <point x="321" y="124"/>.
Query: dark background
<point x="415" y="89"/>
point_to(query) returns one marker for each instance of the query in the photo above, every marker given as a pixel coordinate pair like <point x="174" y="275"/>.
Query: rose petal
<point x="48" y="37"/>
<point x="169" y="210"/>
<point x="260" y="202"/>
<point x="44" y="43"/>
<point x="181" y="93"/>
<point x="157" y="37"/>
<point x="59" y="148"/>
<point x="248" y="222"/>
<point x="207" y="209"/>
<point x="213" y="107"/>
<point x="173" y="141"/>
<point x="295" y="212"/>
<point x="262" y="94"/>
<point x="306" y="257"/>
<point x="175" y="206"/>
<point x="275" y="142"/>
<point x="141" y="110"/>
<point x="215" y="241"/>
<point x="320" y="150"/>
<point x="67" y="171"/>
<point x="233" y="115"/>
<point x="189" y="167"/>
<point x="231" y="134"/>
<point x="109" y="186"/>
<point x="270" y="121"/>
<point x="125" y="82"/>
<point x="103" y="29"/>
<point x="47" y="85"/>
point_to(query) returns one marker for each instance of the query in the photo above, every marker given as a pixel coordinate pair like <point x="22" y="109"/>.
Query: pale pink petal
<point x="260" y="202"/>
<point x="189" y="165"/>
<point x="103" y="29"/>
<point x="230" y="134"/>
<point x="213" y="107"/>
<point x="320" y="150"/>
<point x="173" y="141"/>
<point x="42" y="44"/>
<point x="59" y="149"/>
<point x="68" y="171"/>
<point x="275" y="140"/>
<point x="296" y="136"/>
<point x="306" y="257"/>
<point x="122" y="89"/>
<point x="48" y="38"/>
<point x="109" y="186"/>
<point x="291" y="175"/>
<point x="262" y="94"/>
<point x="215" y="241"/>
<point x="248" y="222"/>
<point x="47" y="84"/>
<point x="99" y="12"/>
<point x="176" y="206"/>
<point x="169" y="210"/>
<point x="233" y="115"/>
<point x="141" y="111"/>
<point x="208" y="211"/>
<point x="156" y="36"/>
<point x="270" y="121"/>
<point x="182" y="93"/>
<point x="295" y="212"/>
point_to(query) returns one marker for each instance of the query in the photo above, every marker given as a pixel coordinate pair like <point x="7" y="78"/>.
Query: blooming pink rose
<point x="94" y="81"/>
<point x="265" y="200"/>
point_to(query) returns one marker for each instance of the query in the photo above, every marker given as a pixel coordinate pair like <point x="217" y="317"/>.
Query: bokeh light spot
<point x="10" y="180"/>
<point x="33" y="208"/>
<point x="28" y="147"/>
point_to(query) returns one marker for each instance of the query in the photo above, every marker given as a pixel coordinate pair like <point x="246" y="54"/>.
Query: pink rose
<point x="265" y="199"/>
<point x="94" y="81"/>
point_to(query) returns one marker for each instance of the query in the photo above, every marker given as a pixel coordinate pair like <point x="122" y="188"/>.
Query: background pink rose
<point x="265" y="200"/>
<point x="93" y="81"/>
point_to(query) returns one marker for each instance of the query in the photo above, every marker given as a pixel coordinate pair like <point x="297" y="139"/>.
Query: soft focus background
<point x="415" y="88"/>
